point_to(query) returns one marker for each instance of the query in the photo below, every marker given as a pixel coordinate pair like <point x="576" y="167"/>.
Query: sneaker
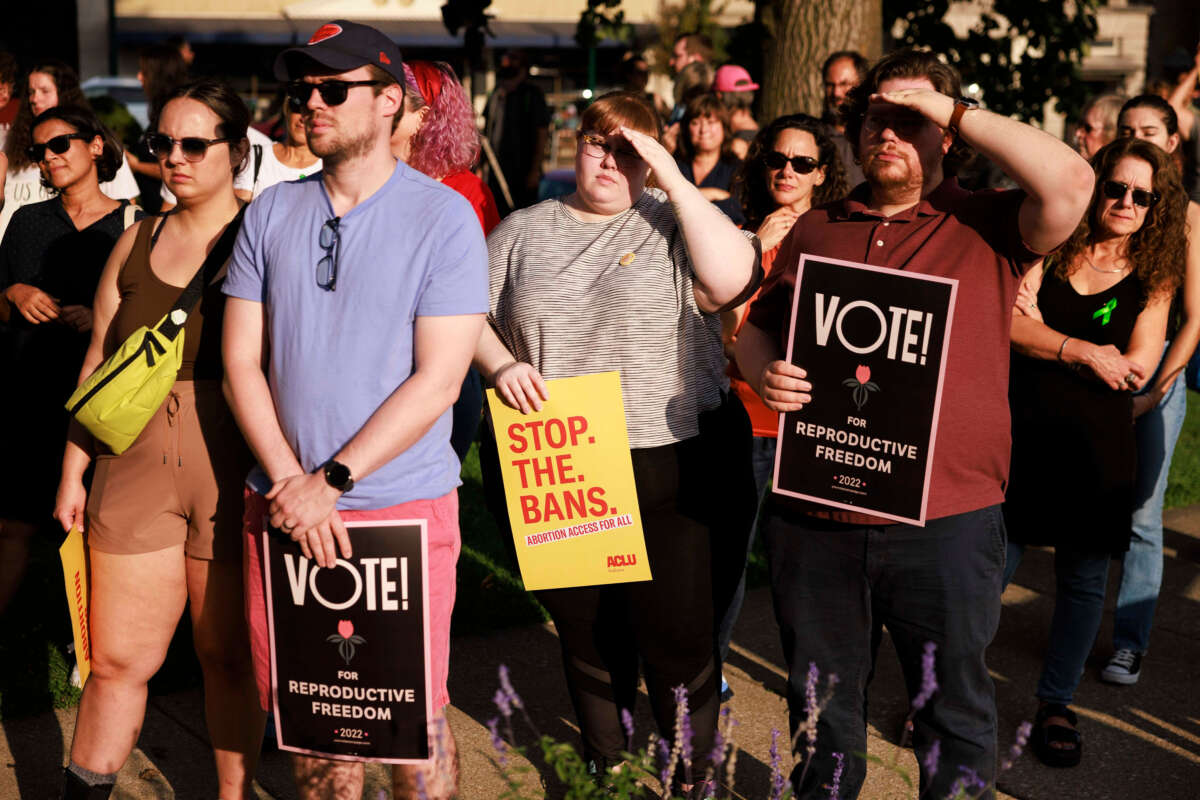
<point x="1124" y="667"/>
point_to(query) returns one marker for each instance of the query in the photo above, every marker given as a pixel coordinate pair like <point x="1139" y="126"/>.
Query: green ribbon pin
<point x="1104" y="313"/>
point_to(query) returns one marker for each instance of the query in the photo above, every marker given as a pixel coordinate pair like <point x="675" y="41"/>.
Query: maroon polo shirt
<point x="952" y="233"/>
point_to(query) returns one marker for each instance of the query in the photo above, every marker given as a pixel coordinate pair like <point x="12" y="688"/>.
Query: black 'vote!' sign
<point x="350" y="645"/>
<point x="873" y="341"/>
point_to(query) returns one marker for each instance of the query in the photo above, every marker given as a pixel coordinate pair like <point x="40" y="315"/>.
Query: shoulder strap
<point x="130" y="214"/>
<point x="258" y="153"/>
<point x="173" y="322"/>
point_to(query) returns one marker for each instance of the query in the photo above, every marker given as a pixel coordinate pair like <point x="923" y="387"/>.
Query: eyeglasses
<point x="60" y="144"/>
<point x="1115" y="190"/>
<point x="329" y="240"/>
<point x="802" y="165"/>
<point x="900" y="124"/>
<point x="333" y="93"/>
<point x="596" y="146"/>
<point x="193" y="147"/>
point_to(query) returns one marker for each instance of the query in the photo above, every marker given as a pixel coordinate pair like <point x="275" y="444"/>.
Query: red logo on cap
<point x="326" y="31"/>
<point x="383" y="59"/>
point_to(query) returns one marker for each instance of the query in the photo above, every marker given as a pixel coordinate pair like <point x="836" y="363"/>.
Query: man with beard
<point x="356" y="298"/>
<point x="838" y="576"/>
<point x="840" y="73"/>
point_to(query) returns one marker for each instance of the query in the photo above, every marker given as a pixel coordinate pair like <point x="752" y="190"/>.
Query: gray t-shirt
<point x="576" y="298"/>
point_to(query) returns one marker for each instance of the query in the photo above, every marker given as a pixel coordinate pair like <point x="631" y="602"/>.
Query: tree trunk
<point x="800" y="34"/>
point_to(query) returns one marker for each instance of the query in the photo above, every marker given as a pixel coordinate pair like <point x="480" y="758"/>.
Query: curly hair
<point x="706" y="104"/>
<point x="750" y="183"/>
<point x="1158" y="249"/>
<point x="84" y="121"/>
<point x="904" y="64"/>
<point x="20" y="136"/>
<point x="447" y="140"/>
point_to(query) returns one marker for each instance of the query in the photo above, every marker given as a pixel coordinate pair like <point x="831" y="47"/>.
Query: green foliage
<point x="1183" y="485"/>
<point x="691" y="16"/>
<point x="598" y="23"/>
<point x="1055" y="35"/>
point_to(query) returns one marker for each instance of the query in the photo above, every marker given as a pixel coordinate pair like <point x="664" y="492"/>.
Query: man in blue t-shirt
<point x="362" y="290"/>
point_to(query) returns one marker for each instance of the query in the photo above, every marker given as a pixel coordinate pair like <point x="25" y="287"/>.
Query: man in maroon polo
<point x="837" y="576"/>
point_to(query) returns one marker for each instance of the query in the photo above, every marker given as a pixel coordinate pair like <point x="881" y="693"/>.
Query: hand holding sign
<point x="784" y="388"/>
<point x="521" y="386"/>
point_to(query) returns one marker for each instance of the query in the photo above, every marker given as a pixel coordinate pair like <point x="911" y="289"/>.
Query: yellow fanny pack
<point x="117" y="400"/>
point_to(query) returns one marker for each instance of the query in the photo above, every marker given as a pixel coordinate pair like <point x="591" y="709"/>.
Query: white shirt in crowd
<point x="270" y="170"/>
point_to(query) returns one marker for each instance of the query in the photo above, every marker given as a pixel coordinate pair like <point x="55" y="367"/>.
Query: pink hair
<point x="448" y="140"/>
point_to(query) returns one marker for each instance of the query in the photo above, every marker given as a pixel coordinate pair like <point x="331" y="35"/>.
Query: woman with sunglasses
<point x="791" y="166"/>
<point x="50" y="262"/>
<point x="276" y="162"/>
<point x="437" y="136"/>
<point x="1087" y="329"/>
<point x="48" y="84"/>
<point x="1159" y="410"/>
<point x="705" y="155"/>
<point x="163" y="519"/>
<point x="620" y="277"/>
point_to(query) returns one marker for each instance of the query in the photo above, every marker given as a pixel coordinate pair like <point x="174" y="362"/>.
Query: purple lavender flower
<point x="627" y="724"/>
<point x="683" y="726"/>
<point x="507" y="687"/>
<point x="718" y="751"/>
<point x="969" y="779"/>
<point x="932" y="756"/>
<point x="421" y="795"/>
<point x="1023" y="731"/>
<point x="777" y="779"/>
<point x="502" y="702"/>
<point x="497" y="743"/>
<point x="835" y="785"/>
<point x="928" y="678"/>
<point x="664" y="757"/>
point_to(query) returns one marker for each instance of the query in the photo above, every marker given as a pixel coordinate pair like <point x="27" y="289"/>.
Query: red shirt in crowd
<point x="972" y="237"/>
<point x="763" y="420"/>
<point x="471" y="187"/>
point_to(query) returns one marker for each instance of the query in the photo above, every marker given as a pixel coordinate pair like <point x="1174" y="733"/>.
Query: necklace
<point x="1106" y="271"/>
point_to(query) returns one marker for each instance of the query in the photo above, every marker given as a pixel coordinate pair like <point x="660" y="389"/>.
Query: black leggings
<point x="697" y="501"/>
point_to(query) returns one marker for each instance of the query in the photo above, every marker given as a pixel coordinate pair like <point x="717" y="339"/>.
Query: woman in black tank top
<point x="1087" y="331"/>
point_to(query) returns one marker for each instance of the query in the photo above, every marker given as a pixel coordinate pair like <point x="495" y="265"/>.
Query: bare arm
<point x="1057" y="179"/>
<point x="1181" y="98"/>
<point x="243" y="350"/>
<point x="780" y="384"/>
<point x="72" y="497"/>
<point x="519" y="385"/>
<point x="725" y="263"/>
<point x="1188" y="336"/>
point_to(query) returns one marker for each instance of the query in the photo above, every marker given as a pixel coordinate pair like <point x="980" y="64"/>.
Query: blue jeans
<point x="762" y="461"/>
<point x="1141" y="575"/>
<point x="834" y="585"/>
<point x="1080" y="581"/>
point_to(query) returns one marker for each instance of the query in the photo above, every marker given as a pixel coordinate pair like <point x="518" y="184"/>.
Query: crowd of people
<point x="380" y="210"/>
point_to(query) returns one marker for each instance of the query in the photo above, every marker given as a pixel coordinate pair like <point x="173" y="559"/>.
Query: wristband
<point x="1061" y="346"/>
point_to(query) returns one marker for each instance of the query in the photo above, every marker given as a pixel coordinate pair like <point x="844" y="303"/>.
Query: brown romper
<point x="180" y="482"/>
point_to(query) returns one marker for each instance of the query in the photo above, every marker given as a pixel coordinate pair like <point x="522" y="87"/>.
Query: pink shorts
<point x="444" y="544"/>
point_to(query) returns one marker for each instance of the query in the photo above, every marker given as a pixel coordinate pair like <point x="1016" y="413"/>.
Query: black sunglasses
<point x="333" y="93"/>
<point x="801" y="164"/>
<point x="60" y="144"/>
<point x="193" y="147"/>
<point x="327" y="267"/>
<point x="1115" y="190"/>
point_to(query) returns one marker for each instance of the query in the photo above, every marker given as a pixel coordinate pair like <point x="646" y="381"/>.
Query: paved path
<point x="1140" y="741"/>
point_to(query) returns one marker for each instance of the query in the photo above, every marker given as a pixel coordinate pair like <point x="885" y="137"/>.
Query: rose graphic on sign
<point x="862" y="384"/>
<point x="347" y="639"/>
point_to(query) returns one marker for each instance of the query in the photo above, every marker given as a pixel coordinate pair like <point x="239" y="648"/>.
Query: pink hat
<point x="732" y="78"/>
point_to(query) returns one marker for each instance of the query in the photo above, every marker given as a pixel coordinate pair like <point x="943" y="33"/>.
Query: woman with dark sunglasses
<point x="163" y="518"/>
<point x="1088" y="327"/>
<point x="50" y="262"/>
<point x="791" y="166"/>
<point x="49" y="84"/>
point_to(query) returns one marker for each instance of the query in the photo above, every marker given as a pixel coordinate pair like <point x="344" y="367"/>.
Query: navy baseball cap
<point x="342" y="46"/>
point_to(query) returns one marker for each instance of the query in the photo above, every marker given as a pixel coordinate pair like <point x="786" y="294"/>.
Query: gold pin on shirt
<point x="627" y="259"/>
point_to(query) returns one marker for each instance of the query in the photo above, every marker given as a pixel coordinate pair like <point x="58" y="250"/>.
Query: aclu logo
<point x="622" y="561"/>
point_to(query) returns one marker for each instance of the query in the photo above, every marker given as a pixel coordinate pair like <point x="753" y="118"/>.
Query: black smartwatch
<point x="337" y="475"/>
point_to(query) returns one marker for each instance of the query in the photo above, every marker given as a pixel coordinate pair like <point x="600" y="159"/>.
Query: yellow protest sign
<point x="75" y="575"/>
<point x="568" y="484"/>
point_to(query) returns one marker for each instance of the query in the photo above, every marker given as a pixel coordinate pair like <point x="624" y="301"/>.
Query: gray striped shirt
<point x="576" y="298"/>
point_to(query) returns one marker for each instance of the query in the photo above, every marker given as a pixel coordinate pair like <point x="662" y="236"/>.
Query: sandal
<point x="1044" y="737"/>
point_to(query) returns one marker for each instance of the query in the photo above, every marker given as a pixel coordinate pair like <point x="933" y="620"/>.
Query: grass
<point x="34" y="631"/>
